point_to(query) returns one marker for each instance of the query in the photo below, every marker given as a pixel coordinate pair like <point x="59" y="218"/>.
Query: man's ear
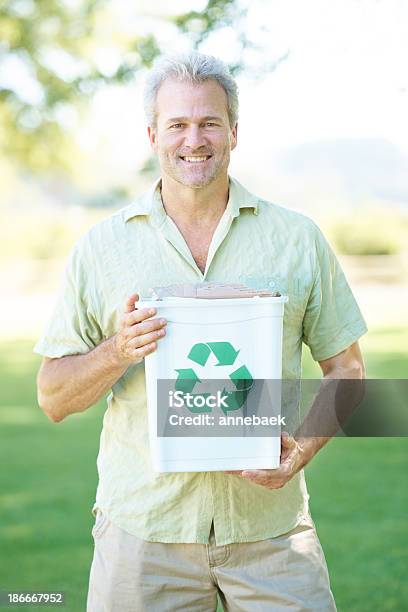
<point x="151" y="132"/>
<point x="234" y="136"/>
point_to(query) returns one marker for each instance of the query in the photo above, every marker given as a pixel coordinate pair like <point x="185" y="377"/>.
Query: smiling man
<point x="193" y="130"/>
<point x="174" y="541"/>
<point x="194" y="146"/>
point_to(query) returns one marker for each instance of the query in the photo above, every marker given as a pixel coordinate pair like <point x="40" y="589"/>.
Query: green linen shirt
<point x="257" y="243"/>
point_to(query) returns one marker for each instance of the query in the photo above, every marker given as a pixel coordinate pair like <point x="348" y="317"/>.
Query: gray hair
<point x="192" y="67"/>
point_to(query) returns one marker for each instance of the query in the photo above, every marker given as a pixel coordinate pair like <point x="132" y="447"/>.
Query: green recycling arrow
<point x="223" y="351"/>
<point x="242" y="378"/>
<point x="234" y="399"/>
<point x="243" y="382"/>
<point x="186" y="380"/>
<point x="226" y="355"/>
<point x="200" y="409"/>
<point x="200" y="353"/>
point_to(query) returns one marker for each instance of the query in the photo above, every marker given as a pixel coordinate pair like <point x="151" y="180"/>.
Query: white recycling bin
<point x="238" y="340"/>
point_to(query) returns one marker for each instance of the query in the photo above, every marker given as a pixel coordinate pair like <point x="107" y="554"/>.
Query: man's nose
<point x="194" y="137"/>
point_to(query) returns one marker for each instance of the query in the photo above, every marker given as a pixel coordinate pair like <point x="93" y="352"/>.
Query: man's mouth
<point x="195" y="159"/>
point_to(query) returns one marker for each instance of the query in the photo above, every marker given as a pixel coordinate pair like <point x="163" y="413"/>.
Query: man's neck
<point x="193" y="207"/>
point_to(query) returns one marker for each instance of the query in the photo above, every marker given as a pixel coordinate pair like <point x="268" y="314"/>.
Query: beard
<point x="195" y="174"/>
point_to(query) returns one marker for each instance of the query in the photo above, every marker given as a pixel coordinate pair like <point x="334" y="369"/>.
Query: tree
<point x="37" y="38"/>
<point x="49" y="67"/>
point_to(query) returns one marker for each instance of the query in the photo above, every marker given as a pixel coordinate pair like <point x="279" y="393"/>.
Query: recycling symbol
<point x="225" y="355"/>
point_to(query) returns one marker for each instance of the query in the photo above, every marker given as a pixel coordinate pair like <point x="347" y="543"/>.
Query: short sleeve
<point x="332" y="320"/>
<point x="73" y="326"/>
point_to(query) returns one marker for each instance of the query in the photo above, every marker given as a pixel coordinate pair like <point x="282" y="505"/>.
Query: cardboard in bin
<point x="234" y="342"/>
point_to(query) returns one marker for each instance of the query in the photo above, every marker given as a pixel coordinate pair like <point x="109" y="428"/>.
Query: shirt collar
<point x="144" y="204"/>
<point x="239" y="197"/>
<point x="150" y="203"/>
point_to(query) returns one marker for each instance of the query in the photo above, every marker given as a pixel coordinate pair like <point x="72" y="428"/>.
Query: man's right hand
<point x="138" y="333"/>
<point x="75" y="382"/>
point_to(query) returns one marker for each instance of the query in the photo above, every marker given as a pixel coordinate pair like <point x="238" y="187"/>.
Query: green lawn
<point x="358" y="487"/>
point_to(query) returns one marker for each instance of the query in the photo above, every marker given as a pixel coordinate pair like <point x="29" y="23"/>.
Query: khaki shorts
<point x="278" y="574"/>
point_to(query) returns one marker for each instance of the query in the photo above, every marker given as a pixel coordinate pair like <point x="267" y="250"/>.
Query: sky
<point x="345" y="75"/>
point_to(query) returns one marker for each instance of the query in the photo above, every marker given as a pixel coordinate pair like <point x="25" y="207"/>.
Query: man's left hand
<point x="293" y="458"/>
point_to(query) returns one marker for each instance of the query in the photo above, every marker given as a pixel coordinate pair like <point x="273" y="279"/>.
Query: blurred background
<point x="323" y="130"/>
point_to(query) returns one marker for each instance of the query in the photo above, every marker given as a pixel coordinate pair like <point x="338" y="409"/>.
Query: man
<point x="172" y="541"/>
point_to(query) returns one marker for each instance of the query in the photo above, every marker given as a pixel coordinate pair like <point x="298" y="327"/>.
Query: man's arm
<point x="298" y="450"/>
<point x="74" y="383"/>
<point x="324" y="415"/>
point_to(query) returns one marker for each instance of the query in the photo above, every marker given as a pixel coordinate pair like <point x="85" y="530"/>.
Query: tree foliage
<point x="51" y="43"/>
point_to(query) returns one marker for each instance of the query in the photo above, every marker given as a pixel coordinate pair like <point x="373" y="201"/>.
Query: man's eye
<point x="176" y="125"/>
<point x="210" y="124"/>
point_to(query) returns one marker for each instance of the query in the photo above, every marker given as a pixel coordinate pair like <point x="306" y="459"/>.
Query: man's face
<point x="193" y="138"/>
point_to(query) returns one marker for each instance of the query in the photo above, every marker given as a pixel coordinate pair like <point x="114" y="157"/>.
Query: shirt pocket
<point x="296" y="290"/>
<point x="294" y="286"/>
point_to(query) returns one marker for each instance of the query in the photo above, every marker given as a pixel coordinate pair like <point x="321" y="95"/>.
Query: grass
<point x="358" y="488"/>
